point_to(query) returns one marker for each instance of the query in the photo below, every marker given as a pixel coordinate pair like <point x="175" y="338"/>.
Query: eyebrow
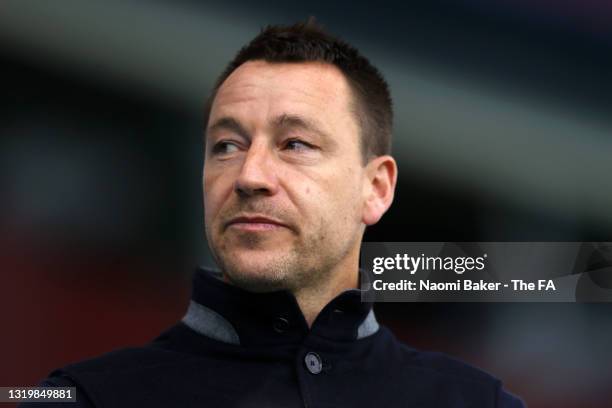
<point x="284" y="120"/>
<point x="295" y="121"/>
<point x="228" y="123"/>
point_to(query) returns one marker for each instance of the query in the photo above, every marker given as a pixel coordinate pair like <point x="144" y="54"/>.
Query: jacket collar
<point x="233" y="315"/>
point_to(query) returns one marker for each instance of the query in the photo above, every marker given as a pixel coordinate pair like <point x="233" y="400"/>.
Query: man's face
<point x="283" y="177"/>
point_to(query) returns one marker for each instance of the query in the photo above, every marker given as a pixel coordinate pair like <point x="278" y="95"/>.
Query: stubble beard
<point x="305" y="265"/>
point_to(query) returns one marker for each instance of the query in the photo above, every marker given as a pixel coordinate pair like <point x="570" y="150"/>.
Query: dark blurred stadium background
<point x="503" y="133"/>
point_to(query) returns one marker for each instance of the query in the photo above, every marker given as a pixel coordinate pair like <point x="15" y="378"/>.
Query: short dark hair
<point x="308" y="42"/>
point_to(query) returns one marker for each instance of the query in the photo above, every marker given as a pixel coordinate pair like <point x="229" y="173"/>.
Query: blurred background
<point x="503" y="132"/>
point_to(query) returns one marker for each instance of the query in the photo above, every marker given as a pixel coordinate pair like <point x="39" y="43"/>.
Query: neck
<point x="313" y="299"/>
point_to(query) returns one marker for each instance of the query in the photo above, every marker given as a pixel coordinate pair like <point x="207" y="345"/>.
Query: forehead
<point x="257" y="91"/>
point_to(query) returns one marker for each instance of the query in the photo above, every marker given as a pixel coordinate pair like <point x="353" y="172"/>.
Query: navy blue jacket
<point x="236" y="348"/>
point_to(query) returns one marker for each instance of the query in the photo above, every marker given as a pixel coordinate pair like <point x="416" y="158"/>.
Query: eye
<point x="295" y="144"/>
<point x="224" y="147"/>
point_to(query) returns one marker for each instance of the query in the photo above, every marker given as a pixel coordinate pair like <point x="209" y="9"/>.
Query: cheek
<point x="213" y="188"/>
<point x="347" y="183"/>
<point x="338" y="198"/>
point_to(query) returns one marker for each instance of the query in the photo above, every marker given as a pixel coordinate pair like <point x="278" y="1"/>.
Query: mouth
<point x="255" y="224"/>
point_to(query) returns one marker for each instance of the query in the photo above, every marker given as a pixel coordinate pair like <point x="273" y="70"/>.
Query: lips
<point x="255" y="223"/>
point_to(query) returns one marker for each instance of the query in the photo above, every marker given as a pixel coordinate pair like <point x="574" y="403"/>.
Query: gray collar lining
<point x="368" y="327"/>
<point x="209" y="323"/>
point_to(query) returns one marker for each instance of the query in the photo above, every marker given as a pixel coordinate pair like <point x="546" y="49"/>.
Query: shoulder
<point x="431" y="361"/>
<point x="447" y="374"/>
<point x="446" y="365"/>
<point x="156" y="354"/>
<point x="458" y="373"/>
<point x="118" y="371"/>
<point x="126" y="359"/>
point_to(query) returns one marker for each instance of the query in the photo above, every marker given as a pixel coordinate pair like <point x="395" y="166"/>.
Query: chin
<point x="256" y="273"/>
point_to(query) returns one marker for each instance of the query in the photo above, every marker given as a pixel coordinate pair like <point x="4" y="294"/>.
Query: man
<point x="297" y="164"/>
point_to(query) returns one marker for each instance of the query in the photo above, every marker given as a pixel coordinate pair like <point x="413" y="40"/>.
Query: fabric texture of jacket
<point x="236" y="348"/>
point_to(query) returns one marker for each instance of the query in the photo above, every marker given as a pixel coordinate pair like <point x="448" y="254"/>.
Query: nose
<point x="258" y="174"/>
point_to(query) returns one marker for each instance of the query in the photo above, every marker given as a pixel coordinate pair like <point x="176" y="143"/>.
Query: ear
<point x="379" y="188"/>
